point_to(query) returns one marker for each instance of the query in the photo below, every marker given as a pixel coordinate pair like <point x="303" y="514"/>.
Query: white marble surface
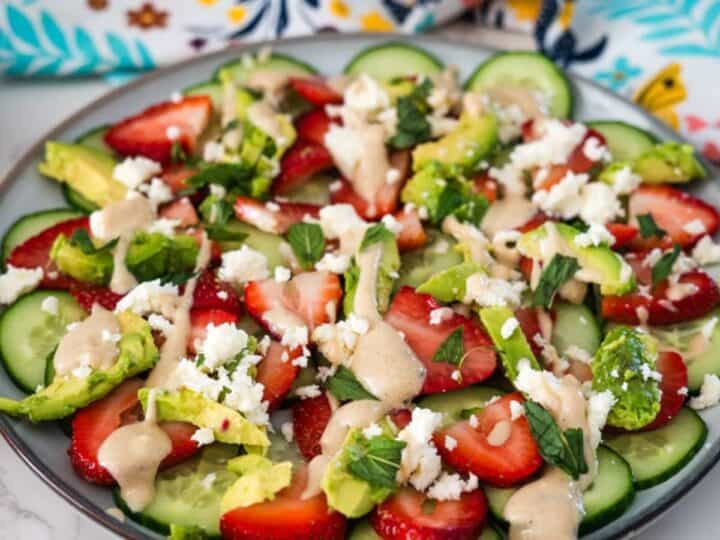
<point x="31" y="510"/>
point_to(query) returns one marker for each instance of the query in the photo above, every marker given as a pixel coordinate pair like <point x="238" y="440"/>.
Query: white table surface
<point x="31" y="510"/>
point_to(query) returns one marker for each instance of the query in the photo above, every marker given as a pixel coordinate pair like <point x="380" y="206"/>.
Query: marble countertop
<point x="29" y="508"/>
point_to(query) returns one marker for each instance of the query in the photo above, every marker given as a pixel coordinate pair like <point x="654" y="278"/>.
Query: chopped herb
<point x="376" y="233"/>
<point x="466" y="207"/>
<point x="663" y="268"/>
<point x="177" y="153"/>
<point x="564" y="449"/>
<point x="224" y="234"/>
<point x="228" y="175"/>
<point x="345" y="387"/>
<point x="307" y="242"/>
<point x="450" y="200"/>
<point x="472" y="210"/>
<point x="560" y="269"/>
<point x="451" y="350"/>
<point x="178" y="278"/>
<point x="81" y="239"/>
<point x="648" y="227"/>
<point x="376" y="460"/>
<point x="412" y="125"/>
<point x="232" y="124"/>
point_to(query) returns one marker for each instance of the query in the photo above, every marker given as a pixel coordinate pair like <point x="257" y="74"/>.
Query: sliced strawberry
<point x="642" y="271"/>
<point x="301" y="162"/>
<point x="200" y="319"/>
<point x="88" y="295"/>
<point x="624" y="234"/>
<point x="630" y="308"/>
<point x="35" y="252"/>
<point x="533" y="223"/>
<point x="211" y="293"/>
<point x="181" y="210"/>
<point x="288" y="516"/>
<point x="313" y="125"/>
<point x="505" y="464"/>
<point x="94" y="423"/>
<point x="310" y="417"/>
<point x="530" y="326"/>
<point x="315" y="90"/>
<point x="146" y="133"/>
<point x="486" y="186"/>
<point x="400" y="417"/>
<point x="671" y="210"/>
<point x="273" y="217"/>
<point x="277" y="373"/>
<point x="405" y="515"/>
<point x="175" y="176"/>
<point x="411" y="235"/>
<point x="673" y="387"/>
<point x="410" y="314"/>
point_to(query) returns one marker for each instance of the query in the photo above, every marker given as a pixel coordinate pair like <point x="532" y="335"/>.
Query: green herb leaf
<point x="648" y="227"/>
<point x="558" y="271"/>
<point x="451" y="350"/>
<point x="232" y="124"/>
<point x="178" y="278"/>
<point x="663" y="268"/>
<point x="450" y="200"/>
<point x="412" y="124"/>
<point x="376" y="460"/>
<point x="228" y="175"/>
<point x="562" y="449"/>
<point x="345" y="387"/>
<point x="307" y="242"/>
<point x="223" y="234"/>
<point x="216" y="211"/>
<point x="376" y="233"/>
<point x="177" y="153"/>
<point x="81" y="239"/>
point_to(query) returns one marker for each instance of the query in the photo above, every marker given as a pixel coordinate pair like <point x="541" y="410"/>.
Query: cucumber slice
<point x="28" y="335"/>
<point x="77" y="200"/>
<point x="182" y="499"/>
<point x="655" y="456"/>
<point x="266" y="243"/>
<point x="95" y="138"/>
<point x="575" y="325"/>
<point x="453" y="404"/>
<point x="625" y="141"/>
<point x="607" y="498"/>
<point x="212" y="89"/>
<point x="316" y="191"/>
<point x="530" y="70"/>
<point x="437" y="255"/>
<point x="394" y="59"/>
<point x="32" y="224"/>
<point x="239" y="70"/>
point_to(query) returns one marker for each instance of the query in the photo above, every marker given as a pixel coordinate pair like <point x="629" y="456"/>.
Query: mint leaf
<point x="215" y="211"/>
<point x="81" y="239"/>
<point x="648" y="227"/>
<point x="228" y="175"/>
<point x="345" y="387"/>
<point x="562" y="449"/>
<point x="451" y="350"/>
<point x="412" y="124"/>
<point x="558" y="271"/>
<point x="377" y="233"/>
<point x="663" y="268"/>
<point x="376" y="460"/>
<point x="307" y="242"/>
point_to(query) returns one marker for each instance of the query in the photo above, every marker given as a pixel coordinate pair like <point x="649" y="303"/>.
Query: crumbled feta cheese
<point x="282" y="274"/>
<point x="217" y="190"/>
<point x="709" y="327"/>
<point x="706" y="251"/>
<point x="420" y="463"/>
<point x="598" y="408"/>
<point x="16" y="281"/>
<point x="150" y="297"/>
<point x="309" y="391"/>
<point x="222" y="344"/>
<point x="450" y="443"/>
<point x="286" y="428"/>
<point x="709" y="393"/>
<point x="652" y="258"/>
<point x="203" y="436"/>
<point x="599" y="203"/>
<point x="223" y="295"/>
<point x="625" y="181"/>
<point x="264" y="345"/>
<point x="696" y="226"/>
<point x="487" y="291"/>
<point x="160" y="323"/>
<point x="335" y="186"/>
<point x="648" y="373"/>
<point x="346" y="146"/>
<point x="450" y="486"/>
<point x="682" y="391"/>
<point x="564" y="198"/>
<point x="456" y="375"/>
<point x="392" y="176"/>
<point x="213" y="152"/>
<point x="438" y="315"/>
<point x="392" y="224"/>
<point x="295" y="336"/>
<point x="573" y="352"/>
<point x="338" y="219"/>
<point x="176" y="97"/>
<point x="325" y="372"/>
<point x="208" y="481"/>
<point x="594" y="150"/>
<point x="373" y="430"/>
<point x="272" y="206"/>
<point x="596" y="235"/>
<point x="173" y="133"/>
<point x="242" y="265"/>
<point x="516" y="410"/>
<point x="157" y="191"/>
<point x="337" y="263"/>
<point x="473" y="421"/>
<point x="81" y="372"/>
<point x="50" y="305"/>
<point x="134" y="171"/>
<point x="508" y="328"/>
<point x="164" y="226"/>
<point x="365" y="94"/>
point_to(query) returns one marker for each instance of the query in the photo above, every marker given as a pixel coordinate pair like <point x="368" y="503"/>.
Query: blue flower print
<point x="620" y="74"/>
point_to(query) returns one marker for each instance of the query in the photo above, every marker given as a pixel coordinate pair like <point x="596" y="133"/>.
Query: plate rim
<point x="85" y="505"/>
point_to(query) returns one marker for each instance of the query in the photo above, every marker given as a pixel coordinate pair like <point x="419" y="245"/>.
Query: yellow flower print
<point x="207" y="2"/>
<point x="529" y="10"/>
<point x="237" y="14"/>
<point x="373" y="21"/>
<point x="662" y="93"/>
<point x="340" y="9"/>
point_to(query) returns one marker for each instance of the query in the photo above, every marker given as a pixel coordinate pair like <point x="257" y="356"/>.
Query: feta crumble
<point x="337" y="263"/>
<point x="286" y="428"/>
<point x="596" y="235"/>
<point x="150" y="297"/>
<point x="441" y="314"/>
<point x="450" y="443"/>
<point x="203" y="436"/>
<point x="133" y="171"/>
<point x="420" y="463"/>
<point x="16" y="281"/>
<point x="160" y="323"/>
<point x="50" y="305"/>
<point x="508" y="328"/>
<point x="392" y="224"/>
<point x="309" y="391"/>
<point x="450" y="486"/>
<point x="222" y="344"/>
<point x="373" y="430"/>
<point x="706" y="251"/>
<point x="282" y="274"/>
<point x="516" y="410"/>
<point x="488" y="291"/>
<point x="242" y="265"/>
<point x="709" y="393"/>
<point x="696" y="226"/>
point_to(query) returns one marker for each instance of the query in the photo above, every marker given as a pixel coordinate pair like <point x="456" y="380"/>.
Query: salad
<point x="374" y="305"/>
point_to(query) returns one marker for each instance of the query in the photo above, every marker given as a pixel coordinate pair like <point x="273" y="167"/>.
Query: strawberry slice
<point x="315" y="90"/>
<point x="35" y="252"/>
<point x="182" y="210"/>
<point x="624" y="234"/>
<point x="301" y="162"/>
<point x="313" y="125"/>
<point x="176" y="176"/>
<point x="631" y="308"/>
<point x="277" y="374"/>
<point x="273" y="217"/>
<point x="672" y="210"/>
<point x="412" y="235"/>
<point x="410" y="314"/>
<point x="530" y="326"/>
<point x="674" y="379"/>
<point x="405" y="515"/>
<point x="146" y="133"/>
<point x="88" y="295"/>
<point x="211" y="293"/>
<point x="534" y="222"/>
<point x="311" y="298"/>
<point x="287" y="517"/>
<point x="200" y="319"/>
<point x="400" y="417"/>
<point x="94" y="423"/>
<point x="497" y="462"/>
<point x="310" y="417"/>
<point x="486" y="186"/>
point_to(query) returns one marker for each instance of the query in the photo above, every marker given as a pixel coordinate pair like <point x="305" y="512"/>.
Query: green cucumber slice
<point x="456" y="403"/>
<point x="655" y="456"/>
<point x="28" y="335"/>
<point x="525" y="69"/>
<point x="393" y="59"/>
<point x="182" y="499"/>
<point x="239" y="70"/>
<point x="212" y="89"/>
<point x="625" y="141"/>
<point x="31" y="224"/>
<point x="95" y="138"/>
<point x="607" y="498"/>
<point x="77" y="200"/>
<point x="419" y="265"/>
<point x="575" y="325"/>
<point x="266" y="243"/>
<point x="316" y="191"/>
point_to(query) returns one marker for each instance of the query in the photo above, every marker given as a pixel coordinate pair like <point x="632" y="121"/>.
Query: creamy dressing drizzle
<point x="262" y="114"/>
<point x="271" y="82"/>
<point x="507" y="214"/>
<point x="90" y="343"/>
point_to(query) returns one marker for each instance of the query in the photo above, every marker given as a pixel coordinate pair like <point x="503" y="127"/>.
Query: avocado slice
<point x="449" y="285"/>
<point x="472" y="140"/>
<point x="186" y="405"/>
<point x="93" y="267"/>
<point x="260" y="479"/>
<point x="87" y="170"/>
<point x="669" y="162"/>
<point x="67" y="394"/>
<point x="437" y="255"/>
<point x="511" y="349"/>
<point x="600" y="263"/>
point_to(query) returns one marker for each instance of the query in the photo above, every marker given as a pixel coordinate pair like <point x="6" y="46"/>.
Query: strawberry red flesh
<point x="301" y="162"/>
<point x="315" y="90"/>
<point x="277" y="373"/>
<point x="313" y="125"/>
<point x="200" y="319"/>
<point x="273" y="217"/>
<point x="411" y="235"/>
<point x="211" y="293"/>
<point x="182" y="211"/>
<point x="673" y="387"/>
<point x="310" y="417"/>
<point x="88" y="295"/>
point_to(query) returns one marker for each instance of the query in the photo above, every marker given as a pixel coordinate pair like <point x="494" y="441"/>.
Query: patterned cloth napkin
<point x="663" y="54"/>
